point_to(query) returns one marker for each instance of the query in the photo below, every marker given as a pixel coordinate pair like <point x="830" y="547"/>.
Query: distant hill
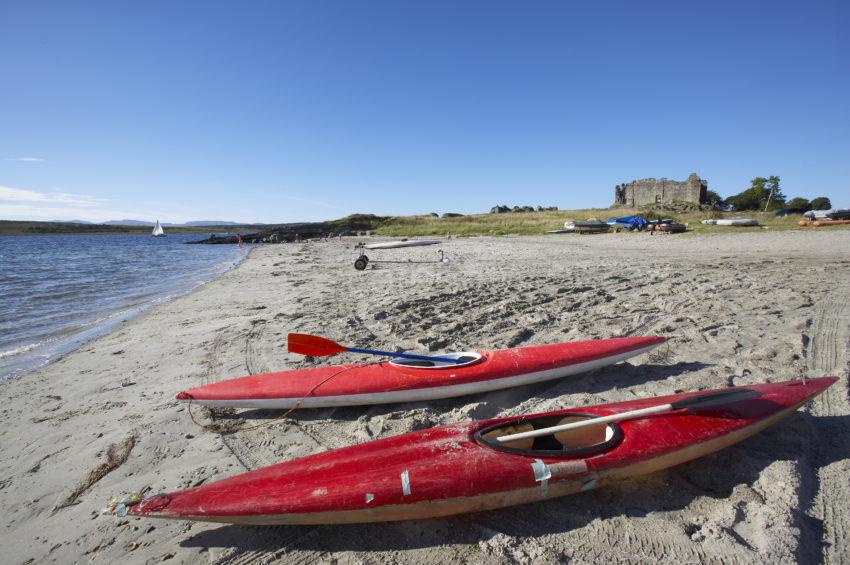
<point x="209" y="223"/>
<point x="195" y="224"/>
<point x="127" y="223"/>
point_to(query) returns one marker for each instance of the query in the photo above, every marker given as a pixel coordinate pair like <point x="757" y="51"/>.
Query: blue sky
<point x="283" y="111"/>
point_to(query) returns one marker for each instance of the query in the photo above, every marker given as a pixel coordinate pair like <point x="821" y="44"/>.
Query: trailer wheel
<point x="360" y="264"/>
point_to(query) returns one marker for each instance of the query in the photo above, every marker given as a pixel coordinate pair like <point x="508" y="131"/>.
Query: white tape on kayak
<point x="405" y="483"/>
<point x="542" y="474"/>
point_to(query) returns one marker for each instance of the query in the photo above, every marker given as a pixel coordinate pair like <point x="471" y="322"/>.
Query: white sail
<point x="157" y="230"/>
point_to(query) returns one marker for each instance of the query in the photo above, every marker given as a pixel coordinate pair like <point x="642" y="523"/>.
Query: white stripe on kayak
<point x="419" y="394"/>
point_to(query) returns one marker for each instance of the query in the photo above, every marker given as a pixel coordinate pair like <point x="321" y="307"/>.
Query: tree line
<point x="764" y="194"/>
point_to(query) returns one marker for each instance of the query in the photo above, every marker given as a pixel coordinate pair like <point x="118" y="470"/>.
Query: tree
<point x="713" y="199"/>
<point x="775" y="198"/>
<point x="821" y="203"/>
<point x="799" y="203"/>
<point x="763" y="192"/>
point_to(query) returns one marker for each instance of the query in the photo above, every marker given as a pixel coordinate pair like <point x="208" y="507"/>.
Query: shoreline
<point x="43" y="354"/>
<point x="731" y="307"/>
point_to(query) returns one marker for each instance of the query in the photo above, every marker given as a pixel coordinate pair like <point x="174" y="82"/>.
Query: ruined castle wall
<point x="651" y="191"/>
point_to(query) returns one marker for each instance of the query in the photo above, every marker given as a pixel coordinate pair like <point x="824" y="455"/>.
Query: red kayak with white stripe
<point x="404" y="380"/>
<point x="464" y="468"/>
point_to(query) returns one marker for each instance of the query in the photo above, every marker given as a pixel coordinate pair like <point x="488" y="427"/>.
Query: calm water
<point x="58" y="291"/>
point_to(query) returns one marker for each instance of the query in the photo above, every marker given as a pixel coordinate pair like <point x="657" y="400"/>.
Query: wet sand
<point x="737" y="309"/>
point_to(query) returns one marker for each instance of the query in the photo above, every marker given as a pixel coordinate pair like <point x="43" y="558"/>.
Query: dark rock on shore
<point x="284" y="233"/>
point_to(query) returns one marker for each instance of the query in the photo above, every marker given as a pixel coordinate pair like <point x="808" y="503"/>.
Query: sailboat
<point x="157" y="230"/>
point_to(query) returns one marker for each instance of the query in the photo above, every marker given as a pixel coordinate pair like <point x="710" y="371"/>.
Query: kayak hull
<point x="448" y="470"/>
<point x="386" y="383"/>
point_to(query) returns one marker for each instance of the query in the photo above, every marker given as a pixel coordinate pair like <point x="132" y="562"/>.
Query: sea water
<point x="56" y="292"/>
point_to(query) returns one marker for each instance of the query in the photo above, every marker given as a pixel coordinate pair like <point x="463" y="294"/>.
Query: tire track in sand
<point x="828" y="355"/>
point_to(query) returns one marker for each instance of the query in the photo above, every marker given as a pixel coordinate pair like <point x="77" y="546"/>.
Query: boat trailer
<point x="363" y="261"/>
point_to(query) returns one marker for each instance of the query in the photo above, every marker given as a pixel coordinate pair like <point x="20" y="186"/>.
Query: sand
<point x="737" y="308"/>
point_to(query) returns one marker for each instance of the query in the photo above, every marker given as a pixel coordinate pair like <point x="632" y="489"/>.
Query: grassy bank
<point x="530" y="223"/>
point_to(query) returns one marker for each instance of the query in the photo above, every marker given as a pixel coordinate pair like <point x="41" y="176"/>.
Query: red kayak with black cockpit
<point x="409" y="380"/>
<point x="467" y="467"/>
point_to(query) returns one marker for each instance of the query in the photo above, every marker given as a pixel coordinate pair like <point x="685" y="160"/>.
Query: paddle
<point x="316" y="346"/>
<point x="699" y="401"/>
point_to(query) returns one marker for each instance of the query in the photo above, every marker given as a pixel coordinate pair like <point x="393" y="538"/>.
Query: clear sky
<point x="281" y="111"/>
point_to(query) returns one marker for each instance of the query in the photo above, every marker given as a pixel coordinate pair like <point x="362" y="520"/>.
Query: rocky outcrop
<point x="452" y="215"/>
<point x="350" y="225"/>
<point x="502" y="209"/>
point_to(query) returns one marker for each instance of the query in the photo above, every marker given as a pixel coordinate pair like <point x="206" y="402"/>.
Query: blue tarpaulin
<point x="631" y="222"/>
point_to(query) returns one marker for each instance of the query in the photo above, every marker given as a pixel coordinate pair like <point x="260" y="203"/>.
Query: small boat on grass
<point x="590" y="226"/>
<point x="402" y="243"/>
<point x="833" y="214"/>
<point x="840" y="214"/>
<point x="671" y="227"/>
<point x="410" y="380"/>
<point x="740" y="222"/>
<point x="488" y="464"/>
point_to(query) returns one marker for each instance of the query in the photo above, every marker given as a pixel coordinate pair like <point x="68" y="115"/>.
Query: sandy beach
<point x="736" y="309"/>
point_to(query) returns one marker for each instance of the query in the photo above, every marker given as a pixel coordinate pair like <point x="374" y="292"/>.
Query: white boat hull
<point x="397" y="244"/>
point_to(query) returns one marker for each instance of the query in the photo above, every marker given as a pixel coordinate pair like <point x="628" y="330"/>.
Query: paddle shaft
<point x="404" y="355"/>
<point x="585" y="423"/>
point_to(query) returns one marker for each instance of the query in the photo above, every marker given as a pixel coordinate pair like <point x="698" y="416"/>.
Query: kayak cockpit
<point x="465" y="357"/>
<point x="570" y="443"/>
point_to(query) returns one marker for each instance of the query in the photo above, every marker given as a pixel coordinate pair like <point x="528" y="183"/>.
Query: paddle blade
<point x="716" y="398"/>
<point x="312" y="345"/>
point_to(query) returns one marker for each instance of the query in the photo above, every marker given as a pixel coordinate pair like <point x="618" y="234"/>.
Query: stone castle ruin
<point x="657" y="191"/>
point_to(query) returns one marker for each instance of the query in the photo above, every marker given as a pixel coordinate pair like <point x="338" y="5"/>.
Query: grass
<point x="535" y="223"/>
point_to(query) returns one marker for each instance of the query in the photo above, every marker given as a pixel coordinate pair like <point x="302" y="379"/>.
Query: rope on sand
<point x="116" y="455"/>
